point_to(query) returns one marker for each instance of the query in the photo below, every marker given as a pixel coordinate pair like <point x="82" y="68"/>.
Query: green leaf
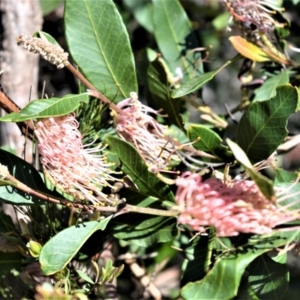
<point x="220" y="22"/>
<point x="99" y="44"/>
<point x="223" y="279"/>
<point x="200" y="258"/>
<point x="145" y="230"/>
<point x="262" y="128"/>
<point x="175" y="37"/>
<point x="268" y="89"/>
<point x="265" y="185"/>
<point x="85" y="277"/>
<point x="25" y="173"/>
<point x="60" y="249"/>
<point x="159" y="87"/>
<point x="268" y="279"/>
<point x="197" y="82"/>
<point x="142" y="11"/>
<point x="49" y="6"/>
<point x="133" y="165"/>
<point x="46" y="36"/>
<point x="45" y="108"/>
<point x="204" y="139"/>
<point x="282" y="176"/>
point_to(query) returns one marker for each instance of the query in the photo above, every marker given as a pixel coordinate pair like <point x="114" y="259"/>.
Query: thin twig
<point x="86" y="207"/>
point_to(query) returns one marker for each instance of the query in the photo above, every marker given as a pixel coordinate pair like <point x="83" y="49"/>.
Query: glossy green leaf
<point x="145" y="230"/>
<point x="159" y="87"/>
<point x="151" y="229"/>
<point x="265" y="185"/>
<point x="133" y="166"/>
<point x="45" y="108"/>
<point x="25" y="173"/>
<point x="99" y="44"/>
<point x="175" y="37"/>
<point x="262" y="128"/>
<point x="268" y="279"/>
<point x="228" y="269"/>
<point x="60" y="249"/>
<point x="199" y="258"/>
<point x="142" y="11"/>
<point x="268" y="89"/>
<point x="204" y="139"/>
<point x="196" y="83"/>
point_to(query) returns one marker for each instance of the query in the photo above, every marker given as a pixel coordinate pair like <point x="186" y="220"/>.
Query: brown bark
<point x="20" y="68"/>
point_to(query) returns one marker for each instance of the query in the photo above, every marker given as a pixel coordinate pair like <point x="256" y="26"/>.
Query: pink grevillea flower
<point x="237" y="207"/>
<point x="257" y="13"/>
<point x="136" y="126"/>
<point x="76" y="169"/>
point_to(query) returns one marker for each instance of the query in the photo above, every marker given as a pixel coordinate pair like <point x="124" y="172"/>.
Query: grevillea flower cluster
<point x="54" y="54"/>
<point x="233" y="208"/>
<point x="136" y="126"/>
<point x="253" y="16"/>
<point x="79" y="170"/>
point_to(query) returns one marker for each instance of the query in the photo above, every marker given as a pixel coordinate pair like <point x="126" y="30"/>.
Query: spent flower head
<point x="136" y="126"/>
<point x="75" y="168"/>
<point x="254" y="16"/>
<point x="52" y="53"/>
<point x="233" y="208"/>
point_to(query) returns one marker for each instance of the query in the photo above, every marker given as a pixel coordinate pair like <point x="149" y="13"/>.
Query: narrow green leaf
<point x="25" y="173"/>
<point x="45" y="108"/>
<point x="204" y="139"/>
<point x="159" y="87"/>
<point x="262" y="128"/>
<point x="193" y="84"/>
<point x="265" y="185"/>
<point x="268" y="89"/>
<point x="133" y="165"/>
<point x="101" y="47"/>
<point x="196" y="83"/>
<point x="175" y="37"/>
<point x="223" y="280"/>
<point x="85" y="277"/>
<point x="59" y="250"/>
<point x="268" y="279"/>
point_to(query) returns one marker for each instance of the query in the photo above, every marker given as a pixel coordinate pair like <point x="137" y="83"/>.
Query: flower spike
<point x="233" y="208"/>
<point x="136" y="126"/>
<point x="76" y="169"/>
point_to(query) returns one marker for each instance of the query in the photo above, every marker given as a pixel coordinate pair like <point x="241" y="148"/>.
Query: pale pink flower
<point x="237" y="207"/>
<point x="75" y="168"/>
<point x="136" y="126"/>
